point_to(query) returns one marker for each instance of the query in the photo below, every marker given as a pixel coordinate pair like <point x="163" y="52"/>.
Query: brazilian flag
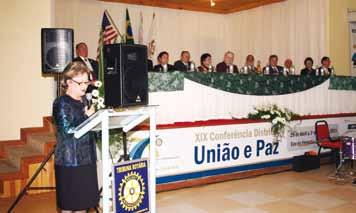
<point x="129" y="36"/>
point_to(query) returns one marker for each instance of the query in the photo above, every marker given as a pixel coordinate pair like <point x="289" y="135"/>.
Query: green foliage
<point x="115" y="139"/>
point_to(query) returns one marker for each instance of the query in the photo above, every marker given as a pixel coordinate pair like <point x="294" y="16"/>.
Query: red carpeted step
<point x="6" y="166"/>
<point x="15" y="154"/>
<point x="38" y="140"/>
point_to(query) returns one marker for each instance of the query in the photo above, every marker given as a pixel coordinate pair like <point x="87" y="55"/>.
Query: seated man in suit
<point x="308" y="70"/>
<point x="81" y="50"/>
<point x="273" y="68"/>
<point x="227" y="65"/>
<point x="249" y="65"/>
<point x="184" y="64"/>
<point x="205" y="63"/>
<point x="325" y="69"/>
<point x="163" y="66"/>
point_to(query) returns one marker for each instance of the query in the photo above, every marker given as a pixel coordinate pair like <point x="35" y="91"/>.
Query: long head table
<point x="247" y="84"/>
<point x="199" y="96"/>
<point x="193" y="149"/>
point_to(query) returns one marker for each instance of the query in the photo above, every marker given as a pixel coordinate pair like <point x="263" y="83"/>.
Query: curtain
<point x="291" y="29"/>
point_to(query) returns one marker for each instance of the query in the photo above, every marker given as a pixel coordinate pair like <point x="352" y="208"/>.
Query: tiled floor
<point x="286" y="192"/>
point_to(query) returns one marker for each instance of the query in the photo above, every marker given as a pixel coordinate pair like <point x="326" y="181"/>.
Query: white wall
<point x="292" y="29"/>
<point x="26" y="96"/>
<point x="339" y="34"/>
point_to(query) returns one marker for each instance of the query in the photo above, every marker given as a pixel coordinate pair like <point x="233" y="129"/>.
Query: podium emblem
<point x="131" y="191"/>
<point x="131" y="186"/>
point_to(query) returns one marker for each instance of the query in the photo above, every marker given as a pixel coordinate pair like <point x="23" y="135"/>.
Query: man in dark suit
<point x="163" y="66"/>
<point x="227" y="65"/>
<point x="273" y="68"/>
<point x="184" y="64"/>
<point x="249" y="65"/>
<point x="81" y="50"/>
<point x="325" y="69"/>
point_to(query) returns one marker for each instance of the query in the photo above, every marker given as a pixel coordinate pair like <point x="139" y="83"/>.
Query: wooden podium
<point x="128" y="119"/>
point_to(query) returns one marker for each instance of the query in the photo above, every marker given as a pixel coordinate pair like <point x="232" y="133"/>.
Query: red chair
<point x="324" y="141"/>
<point x="323" y="138"/>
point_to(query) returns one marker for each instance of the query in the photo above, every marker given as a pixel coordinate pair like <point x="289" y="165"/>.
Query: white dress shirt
<point x="87" y="62"/>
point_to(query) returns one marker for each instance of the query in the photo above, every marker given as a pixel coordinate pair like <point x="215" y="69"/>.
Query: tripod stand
<point x="34" y="176"/>
<point x="44" y="162"/>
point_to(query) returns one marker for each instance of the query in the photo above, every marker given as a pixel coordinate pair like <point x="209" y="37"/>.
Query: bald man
<point x="227" y="65"/>
<point x="81" y="50"/>
<point x="288" y="67"/>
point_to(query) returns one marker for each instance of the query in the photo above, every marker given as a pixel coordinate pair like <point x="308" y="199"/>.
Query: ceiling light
<point x="212" y="3"/>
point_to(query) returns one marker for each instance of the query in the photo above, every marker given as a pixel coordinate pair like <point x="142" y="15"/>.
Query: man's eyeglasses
<point x="86" y="83"/>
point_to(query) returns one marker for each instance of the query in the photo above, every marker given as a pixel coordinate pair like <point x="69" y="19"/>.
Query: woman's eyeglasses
<point x="86" y="83"/>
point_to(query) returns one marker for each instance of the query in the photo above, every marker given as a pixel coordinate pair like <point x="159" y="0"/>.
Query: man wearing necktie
<point x="184" y="64"/>
<point x="273" y="68"/>
<point x="81" y="50"/>
<point x="325" y="69"/>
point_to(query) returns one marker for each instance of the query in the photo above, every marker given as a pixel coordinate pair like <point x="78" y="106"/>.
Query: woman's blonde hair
<point x="73" y="69"/>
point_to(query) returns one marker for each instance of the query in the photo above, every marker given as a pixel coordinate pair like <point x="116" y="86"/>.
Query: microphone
<point x="89" y="98"/>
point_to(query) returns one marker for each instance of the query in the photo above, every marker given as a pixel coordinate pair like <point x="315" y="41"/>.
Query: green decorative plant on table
<point x="279" y="118"/>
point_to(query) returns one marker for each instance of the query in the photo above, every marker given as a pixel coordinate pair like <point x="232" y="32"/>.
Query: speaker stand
<point x="58" y="79"/>
<point x="28" y="185"/>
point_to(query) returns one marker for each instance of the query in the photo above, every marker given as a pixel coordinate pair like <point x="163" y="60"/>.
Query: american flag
<point x="108" y="32"/>
<point x="108" y="28"/>
<point x="108" y="35"/>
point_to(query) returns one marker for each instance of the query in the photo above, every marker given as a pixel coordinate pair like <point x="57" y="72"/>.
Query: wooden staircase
<point x="19" y="159"/>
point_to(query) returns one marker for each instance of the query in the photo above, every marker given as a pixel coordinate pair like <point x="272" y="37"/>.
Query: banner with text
<point x="194" y="149"/>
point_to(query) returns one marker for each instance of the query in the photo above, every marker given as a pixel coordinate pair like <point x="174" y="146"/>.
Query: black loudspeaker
<point x="57" y="49"/>
<point x="125" y="75"/>
<point x="304" y="163"/>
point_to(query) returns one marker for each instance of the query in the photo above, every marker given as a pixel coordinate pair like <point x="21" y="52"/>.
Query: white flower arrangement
<point x="279" y="117"/>
<point x="265" y="116"/>
<point x="98" y="99"/>
<point x="98" y="84"/>
<point x="95" y="93"/>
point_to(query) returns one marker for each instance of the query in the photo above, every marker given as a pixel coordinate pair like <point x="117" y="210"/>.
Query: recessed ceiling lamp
<point x="212" y="3"/>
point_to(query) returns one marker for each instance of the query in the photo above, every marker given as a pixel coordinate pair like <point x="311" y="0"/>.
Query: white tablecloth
<point x="199" y="102"/>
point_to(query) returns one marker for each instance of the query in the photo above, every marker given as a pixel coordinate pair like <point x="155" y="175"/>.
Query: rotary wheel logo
<point x="131" y="191"/>
<point x="159" y="141"/>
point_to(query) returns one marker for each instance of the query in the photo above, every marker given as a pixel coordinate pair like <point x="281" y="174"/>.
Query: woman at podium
<point x="75" y="159"/>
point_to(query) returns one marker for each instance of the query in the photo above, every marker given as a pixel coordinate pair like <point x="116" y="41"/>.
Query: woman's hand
<point x="89" y="111"/>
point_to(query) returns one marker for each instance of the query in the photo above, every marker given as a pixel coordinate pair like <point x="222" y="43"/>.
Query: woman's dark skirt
<point x="76" y="187"/>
